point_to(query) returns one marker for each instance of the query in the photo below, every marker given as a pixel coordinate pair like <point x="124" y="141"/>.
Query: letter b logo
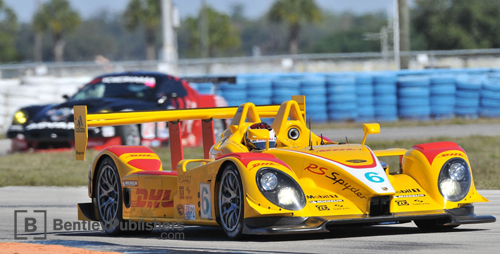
<point x="29" y="225"/>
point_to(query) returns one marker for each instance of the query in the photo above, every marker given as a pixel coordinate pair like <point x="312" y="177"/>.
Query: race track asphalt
<point x="60" y="203"/>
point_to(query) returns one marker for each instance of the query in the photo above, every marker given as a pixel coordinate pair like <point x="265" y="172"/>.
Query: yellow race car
<point x="271" y="179"/>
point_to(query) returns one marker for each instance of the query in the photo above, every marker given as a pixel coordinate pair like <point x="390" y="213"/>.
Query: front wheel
<point x="231" y="202"/>
<point x="108" y="197"/>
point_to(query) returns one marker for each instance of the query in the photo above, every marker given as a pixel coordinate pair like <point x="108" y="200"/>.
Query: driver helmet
<point x="260" y="144"/>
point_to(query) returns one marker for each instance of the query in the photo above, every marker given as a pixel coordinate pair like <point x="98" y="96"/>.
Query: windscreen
<point x="127" y="87"/>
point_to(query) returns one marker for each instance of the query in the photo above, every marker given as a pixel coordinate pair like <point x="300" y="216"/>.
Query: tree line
<point x="58" y="33"/>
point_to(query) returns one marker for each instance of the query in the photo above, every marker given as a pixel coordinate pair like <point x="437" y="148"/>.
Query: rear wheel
<point x="434" y="225"/>
<point x="109" y="197"/>
<point x="231" y="202"/>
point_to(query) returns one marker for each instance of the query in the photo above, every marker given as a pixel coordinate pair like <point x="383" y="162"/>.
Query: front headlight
<point x="20" y="117"/>
<point x="280" y="189"/>
<point x="454" y="179"/>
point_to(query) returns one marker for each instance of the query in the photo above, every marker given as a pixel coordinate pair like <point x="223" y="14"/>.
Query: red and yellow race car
<point x="272" y="179"/>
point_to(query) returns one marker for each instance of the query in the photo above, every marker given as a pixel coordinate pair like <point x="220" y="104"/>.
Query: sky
<point x="253" y="9"/>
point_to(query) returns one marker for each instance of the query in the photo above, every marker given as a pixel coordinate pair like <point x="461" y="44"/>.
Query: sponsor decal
<point x="153" y="199"/>
<point x="339" y="149"/>
<point x="206" y="205"/>
<point x="356" y="161"/>
<point x="385" y="188"/>
<point x="401" y="202"/>
<point x="347" y="186"/>
<point x="54" y="125"/>
<point x="59" y="114"/>
<point x="416" y="190"/>
<point x="129" y="183"/>
<point x="323" y="208"/>
<point x="313" y="168"/>
<point x="180" y="209"/>
<point x="321" y="196"/>
<point x="148" y="81"/>
<point x="410" y="196"/>
<point x="326" y="201"/>
<point x="452" y="154"/>
<point x="79" y="126"/>
<point x="189" y="212"/>
<point x="262" y="164"/>
<point x="419" y="202"/>
<point x="188" y="190"/>
<point x="181" y="192"/>
<point x="339" y="207"/>
<point x="185" y="179"/>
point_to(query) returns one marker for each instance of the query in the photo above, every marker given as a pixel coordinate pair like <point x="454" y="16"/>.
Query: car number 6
<point x="373" y="177"/>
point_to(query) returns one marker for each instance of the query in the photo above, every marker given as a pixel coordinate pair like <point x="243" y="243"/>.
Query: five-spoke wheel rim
<point x="230" y="201"/>
<point x="108" y="193"/>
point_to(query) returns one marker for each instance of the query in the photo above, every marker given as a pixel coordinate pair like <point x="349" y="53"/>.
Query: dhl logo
<point x="138" y="155"/>
<point x="154" y="198"/>
<point x="452" y="154"/>
<point x="339" y="149"/>
<point x="262" y="164"/>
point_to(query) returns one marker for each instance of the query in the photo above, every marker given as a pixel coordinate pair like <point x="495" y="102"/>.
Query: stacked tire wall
<point x="385" y="97"/>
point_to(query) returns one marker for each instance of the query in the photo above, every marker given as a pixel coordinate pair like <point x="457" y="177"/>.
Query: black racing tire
<point x="433" y="225"/>
<point x="231" y="202"/>
<point x="108" y="197"/>
<point x="130" y="135"/>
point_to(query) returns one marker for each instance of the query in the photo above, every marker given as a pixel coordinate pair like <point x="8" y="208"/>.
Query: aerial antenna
<point x="310" y="138"/>
<point x="322" y="142"/>
<point x="346" y="141"/>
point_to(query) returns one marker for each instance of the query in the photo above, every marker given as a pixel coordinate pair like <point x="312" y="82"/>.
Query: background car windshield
<point x="115" y="90"/>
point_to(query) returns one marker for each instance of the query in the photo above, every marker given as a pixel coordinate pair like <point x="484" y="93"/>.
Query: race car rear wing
<point x="83" y="121"/>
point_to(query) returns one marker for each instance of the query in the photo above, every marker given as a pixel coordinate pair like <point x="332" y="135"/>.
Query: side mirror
<point x="65" y="96"/>
<point x="370" y="128"/>
<point x="259" y="134"/>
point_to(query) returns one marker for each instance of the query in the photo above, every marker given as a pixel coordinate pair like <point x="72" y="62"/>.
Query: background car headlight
<point x="269" y="181"/>
<point x="280" y="189"/>
<point x="454" y="179"/>
<point x="20" y="117"/>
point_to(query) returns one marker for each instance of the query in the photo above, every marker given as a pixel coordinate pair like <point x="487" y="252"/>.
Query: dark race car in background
<point x="51" y="126"/>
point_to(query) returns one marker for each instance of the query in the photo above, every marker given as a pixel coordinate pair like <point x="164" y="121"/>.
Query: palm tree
<point x="58" y="18"/>
<point x="293" y="12"/>
<point x="148" y="14"/>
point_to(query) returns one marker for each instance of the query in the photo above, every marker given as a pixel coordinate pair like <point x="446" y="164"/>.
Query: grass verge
<point x="61" y="168"/>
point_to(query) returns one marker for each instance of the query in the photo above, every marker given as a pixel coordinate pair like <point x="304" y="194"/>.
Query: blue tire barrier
<point x="364" y="89"/>
<point x="490" y="103"/>
<point x="442" y="100"/>
<point x="491" y="85"/>
<point x="260" y="100"/>
<point x="340" y="80"/>
<point x="363" y="78"/>
<point x="342" y="115"/>
<point x="235" y="103"/>
<point x="494" y="95"/>
<point x="489" y="112"/>
<point x="280" y="99"/>
<point x="413" y="102"/>
<point x="366" y="111"/>
<point x="391" y="100"/>
<point x="384" y="88"/>
<point x="442" y="110"/>
<point x="313" y="90"/>
<point x="468" y="84"/>
<point x="413" y="81"/>
<point x="414" y="111"/>
<point x="443" y="89"/>
<point x="286" y="84"/>
<point x="318" y="118"/>
<point x="334" y="98"/>
<point x="342" y="106"/>
<point x="336" y="89"/>
<point x="467" y="102"/>
<point x="233" y="94"/>
<point x="442" y="79"/>
<point x="386" y="118"/>
<point x="386" y="110"/>
<point x="257" y="84"/>
<point x="466" y="111"/>
<point x="316" y="99"/>
<point x="467" y="94"/>
<point x="262" y="92"/>
<point x="233" y="87"/>
<point x="384" y="78"/>
<point x="365" y="119"/>
<point x="365" y="101"/>
<point x="315" y="107"/>
<point x="414" y="91"/>
<point x="311" y="83"/>
<point x="285" y="92"/>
